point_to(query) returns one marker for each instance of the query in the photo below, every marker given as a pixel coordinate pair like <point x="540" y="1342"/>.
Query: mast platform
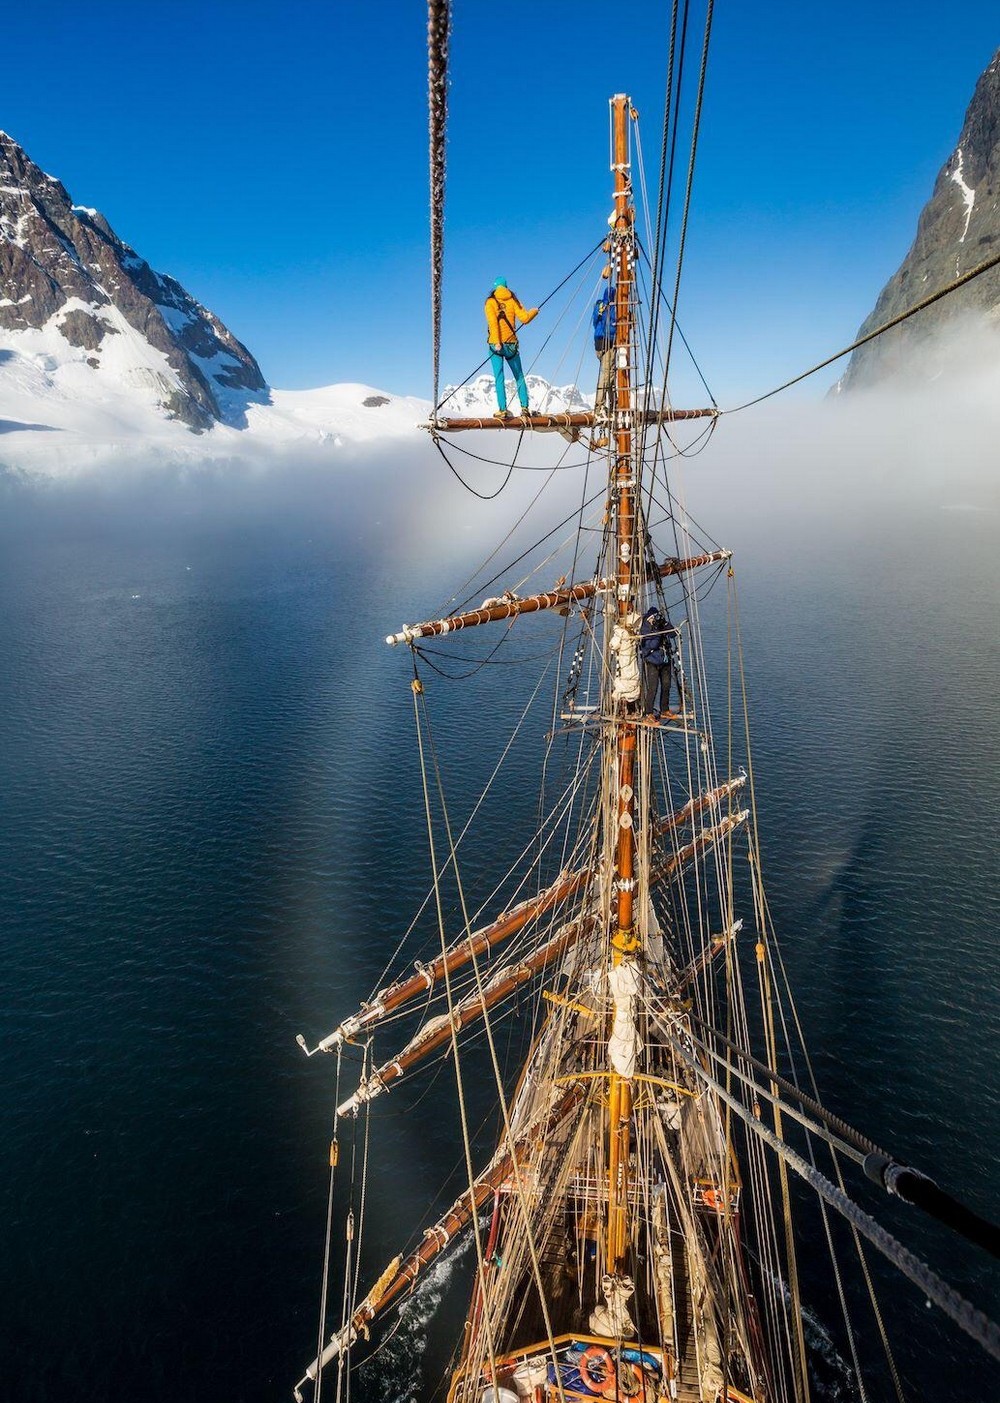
<point x="679" y="721"/>
<point x="559" y="423"/>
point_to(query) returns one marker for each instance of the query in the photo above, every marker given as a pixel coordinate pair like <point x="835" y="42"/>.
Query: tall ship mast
<point x="633" y="1232"/>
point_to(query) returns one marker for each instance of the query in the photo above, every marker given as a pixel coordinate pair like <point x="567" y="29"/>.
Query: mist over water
<point x="212" y="839"/>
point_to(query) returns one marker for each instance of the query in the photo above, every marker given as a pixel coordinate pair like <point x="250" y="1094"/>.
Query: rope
<point x="350" y="1279"/>
<point x="498" y="1076"/>
<point x="657" y="270"/>
<point x="521" y="467"/>
<point x="661" y="188"/>
<point x="438" y="21"/>
<point x="477" y="663"/>
<point x="813" y="1127"/>
<point x="486" y="584"/>
<point x="966" y="1316"/>
<point x="846" y="1132"/>
<point x="417" y="689"/>
<point x="483" y="496"/>
<point x="879" y="330"/>
<point x="558" y="288"/>
<point x="898" y="1180"/>
<point x="674" y="91"/>
<point x="774" y="948"/>
<point x="690" y="180"/>
<point x="334" y="1156"/>
<point x="684" y="341"/>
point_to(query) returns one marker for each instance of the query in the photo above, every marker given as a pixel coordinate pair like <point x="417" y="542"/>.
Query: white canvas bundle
<point x="623" y="1045"/>
<point x="625" y="646"/>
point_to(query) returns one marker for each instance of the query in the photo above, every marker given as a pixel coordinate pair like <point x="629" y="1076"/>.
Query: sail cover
<point x="623" y="1045"/>
<point x="625" y="646"/>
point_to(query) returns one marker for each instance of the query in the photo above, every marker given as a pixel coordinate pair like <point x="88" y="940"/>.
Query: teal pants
<point x="500" y="358"/>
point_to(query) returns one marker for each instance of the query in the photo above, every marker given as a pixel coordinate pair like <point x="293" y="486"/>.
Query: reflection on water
<point x="212" y="840"/>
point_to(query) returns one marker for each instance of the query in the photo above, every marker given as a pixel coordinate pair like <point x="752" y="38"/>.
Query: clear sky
<point x="273" y="157"/>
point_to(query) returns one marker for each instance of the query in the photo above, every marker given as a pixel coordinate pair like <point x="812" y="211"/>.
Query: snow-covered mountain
<point x="47" y="429"/>
<point x="82" y="313"/>
<point x="102" y="359"/>
<point x="478" y="397"/>
<point x="959" y="227"/>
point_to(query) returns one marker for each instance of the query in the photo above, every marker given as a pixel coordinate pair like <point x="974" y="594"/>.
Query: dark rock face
<point x="52" y="251"/>
<point x="958" y="229"/>
<point x="82" y="329"/>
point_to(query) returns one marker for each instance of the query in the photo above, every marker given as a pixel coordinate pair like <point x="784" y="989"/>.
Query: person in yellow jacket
<point x="503" y="312"/>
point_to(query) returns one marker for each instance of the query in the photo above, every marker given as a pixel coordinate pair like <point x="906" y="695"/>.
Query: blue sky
<point x="273" y="158"/>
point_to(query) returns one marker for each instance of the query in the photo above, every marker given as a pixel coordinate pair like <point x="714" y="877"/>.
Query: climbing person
<point x="503" y="312"/>
<point x="656" y="643"/>
<point x="605" y="325"/>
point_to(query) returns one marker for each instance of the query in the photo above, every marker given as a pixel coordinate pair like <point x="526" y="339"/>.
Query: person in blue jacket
<point x="656" y="648"/>
<point x="605" y="327"/>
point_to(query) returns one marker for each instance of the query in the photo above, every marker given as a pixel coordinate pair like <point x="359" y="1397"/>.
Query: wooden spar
<point x="583" y="419"/>
<point x="708" y="800"/>
<point x="439" y="1030"/>
<point x="555" y="599"/>
<point x="713" y="948"/>
<point x="705" y="839"/>
<point x="387" y="1000"/>
<point x="400" y="1274"/>
<point x="622" y="494"/>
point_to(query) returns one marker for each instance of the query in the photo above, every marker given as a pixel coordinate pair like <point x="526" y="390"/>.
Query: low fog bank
<point x="860" y="458"/>
<point x="854" y="465"/>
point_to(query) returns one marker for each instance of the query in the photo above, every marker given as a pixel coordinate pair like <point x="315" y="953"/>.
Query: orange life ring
<point x="597" y="1370"/>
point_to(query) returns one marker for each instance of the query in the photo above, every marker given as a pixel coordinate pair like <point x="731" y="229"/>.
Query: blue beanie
<point x="500" y="282"/>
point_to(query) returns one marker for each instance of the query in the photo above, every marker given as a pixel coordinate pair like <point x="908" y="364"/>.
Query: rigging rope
<point x="879" y="331"/>
<point x="690" y="181"/>
<point x="417" y="690"/>
<point x="658" y="285"/>
<point x="883" y="1169"/>
<point x="558" y="288"/>
<point x="846" y="1132"/>
<point x="334" y="1157"/>
<point x="420" y="703"/>
<point x="483" y="496"/>
<point x="965" y="1315"/>
<point x="438" y="24"/>
<point x="661" y="211"/>
<point x="774" y="949"/>
<point x="438" y="42"/>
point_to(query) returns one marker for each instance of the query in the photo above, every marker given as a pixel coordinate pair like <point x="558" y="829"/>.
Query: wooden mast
<point x="623" y="489"/>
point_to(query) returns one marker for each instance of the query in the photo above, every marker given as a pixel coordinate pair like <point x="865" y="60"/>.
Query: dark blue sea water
<point x="212" y="837"/>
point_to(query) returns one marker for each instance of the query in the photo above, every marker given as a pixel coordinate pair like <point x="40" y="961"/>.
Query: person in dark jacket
<point x="656" y="645"/>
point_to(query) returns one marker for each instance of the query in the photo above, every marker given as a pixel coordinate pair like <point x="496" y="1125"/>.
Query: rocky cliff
<point x="958" y="229"/>
<point x="72" y="293"/>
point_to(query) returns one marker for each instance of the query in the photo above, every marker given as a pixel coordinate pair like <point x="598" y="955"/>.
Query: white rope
<point x="466" y="1144"/>
<point x="334" y="1157"/>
